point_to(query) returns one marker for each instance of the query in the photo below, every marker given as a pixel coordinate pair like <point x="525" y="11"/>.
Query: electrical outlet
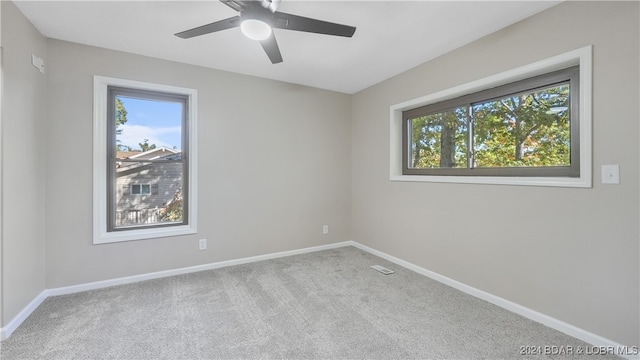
<point x="325" y="229"/>
<point x="203" y="244"/>
<point x="611" y="174"/>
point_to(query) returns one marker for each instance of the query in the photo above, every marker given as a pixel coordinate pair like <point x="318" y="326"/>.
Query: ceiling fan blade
<point x="270" y="46"/>
<point x="209" y="28"/>
<point x="300" y="23"/>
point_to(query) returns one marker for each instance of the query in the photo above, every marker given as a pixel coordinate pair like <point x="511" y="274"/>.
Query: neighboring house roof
<point x="126" y="154"/>
<point x="146" y="155"/>
<point x="154" y="153"/>
<point x="133" y="161"/>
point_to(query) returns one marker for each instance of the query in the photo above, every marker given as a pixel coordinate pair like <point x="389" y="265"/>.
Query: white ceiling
<point x="391" y="36"/>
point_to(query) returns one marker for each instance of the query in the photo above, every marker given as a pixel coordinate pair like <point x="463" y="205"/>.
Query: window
<point x="144" y="160"/>
<point x="142" y="189"/>
<point x="525" y="128"/>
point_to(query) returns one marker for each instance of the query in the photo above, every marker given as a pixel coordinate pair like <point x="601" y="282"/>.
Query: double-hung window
<point x="144" y="160"/>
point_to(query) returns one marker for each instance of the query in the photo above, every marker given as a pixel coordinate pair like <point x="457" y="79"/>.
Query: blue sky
<point x="154" y="120"/>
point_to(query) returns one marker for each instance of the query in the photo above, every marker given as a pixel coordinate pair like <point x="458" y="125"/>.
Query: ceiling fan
<point x="257" y="18"/>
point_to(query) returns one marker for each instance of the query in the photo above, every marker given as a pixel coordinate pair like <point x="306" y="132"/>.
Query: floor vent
<point x="382" y="269"/>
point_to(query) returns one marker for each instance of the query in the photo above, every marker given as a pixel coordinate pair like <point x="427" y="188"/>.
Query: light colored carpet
<point x="323" y="305"/>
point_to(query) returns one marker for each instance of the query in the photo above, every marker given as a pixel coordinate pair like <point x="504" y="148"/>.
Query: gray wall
<point x="569" y="253"/>
<point x="273" y="167"/>
<point x="23" y="166"/>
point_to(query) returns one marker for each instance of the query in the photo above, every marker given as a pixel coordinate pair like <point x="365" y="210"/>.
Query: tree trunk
<point x="519" y="150"/>
<point x="416" y="157"/>
<point x="448" y="141"/>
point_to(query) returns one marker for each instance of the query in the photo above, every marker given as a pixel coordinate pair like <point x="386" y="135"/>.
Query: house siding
<point x="165" y="179"/>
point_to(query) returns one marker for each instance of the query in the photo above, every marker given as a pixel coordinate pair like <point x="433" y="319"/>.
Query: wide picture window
<point x="526" y="128"/>
<point x="143" y="177"/>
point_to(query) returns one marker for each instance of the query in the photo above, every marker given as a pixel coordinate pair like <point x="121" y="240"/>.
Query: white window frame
<point x="100" y="136"/>
<point x="581" y="57"/>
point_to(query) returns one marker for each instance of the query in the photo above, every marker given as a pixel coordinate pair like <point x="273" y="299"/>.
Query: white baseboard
<point x="551" y="322"/>
<point x="7" y="330"/>
<point x="571" y="330"/>
<point x="186" y="270"/>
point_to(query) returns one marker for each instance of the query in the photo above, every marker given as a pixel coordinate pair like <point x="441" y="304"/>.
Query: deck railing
<point x="137" y="216"/>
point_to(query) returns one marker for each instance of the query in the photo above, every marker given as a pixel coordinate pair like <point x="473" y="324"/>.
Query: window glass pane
<point x="530" y="129"/>
<point x="439" y="140"/>
<point x="146" y="124"/>
<point x="527" y="128"/>
<point x="148" y="159"/>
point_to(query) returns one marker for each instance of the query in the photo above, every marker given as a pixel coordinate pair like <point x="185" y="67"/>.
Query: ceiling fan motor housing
<point x="256" y="13"/>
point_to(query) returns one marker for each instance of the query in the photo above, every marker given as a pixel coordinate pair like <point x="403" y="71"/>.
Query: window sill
<point x="489" y="180"/>
<point x="141" y="234"/>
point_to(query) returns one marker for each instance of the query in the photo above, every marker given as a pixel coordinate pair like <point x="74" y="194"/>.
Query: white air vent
<point x="382" y="269"/>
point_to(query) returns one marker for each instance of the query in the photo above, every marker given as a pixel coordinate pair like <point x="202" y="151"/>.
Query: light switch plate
<point x="611" y="174"/>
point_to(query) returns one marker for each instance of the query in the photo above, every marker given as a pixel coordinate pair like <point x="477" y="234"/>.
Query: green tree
<point x="174" y="209"/>
<point x="439" y="140"/>
<point x="121" y="119"/>
<point x="144" y="146"/>
<point x="531" y="129"/>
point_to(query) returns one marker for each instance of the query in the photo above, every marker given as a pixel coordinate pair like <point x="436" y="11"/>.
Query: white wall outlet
<point x="203" y="244"/>
<point x="325" y="229"/>
<point x="611" y="174"/>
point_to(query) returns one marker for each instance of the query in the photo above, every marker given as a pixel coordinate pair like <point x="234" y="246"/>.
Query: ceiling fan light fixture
<point x="255" y="29"/>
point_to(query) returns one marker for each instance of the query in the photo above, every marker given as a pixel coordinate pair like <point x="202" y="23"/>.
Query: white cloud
<point x="132" y="135"/>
